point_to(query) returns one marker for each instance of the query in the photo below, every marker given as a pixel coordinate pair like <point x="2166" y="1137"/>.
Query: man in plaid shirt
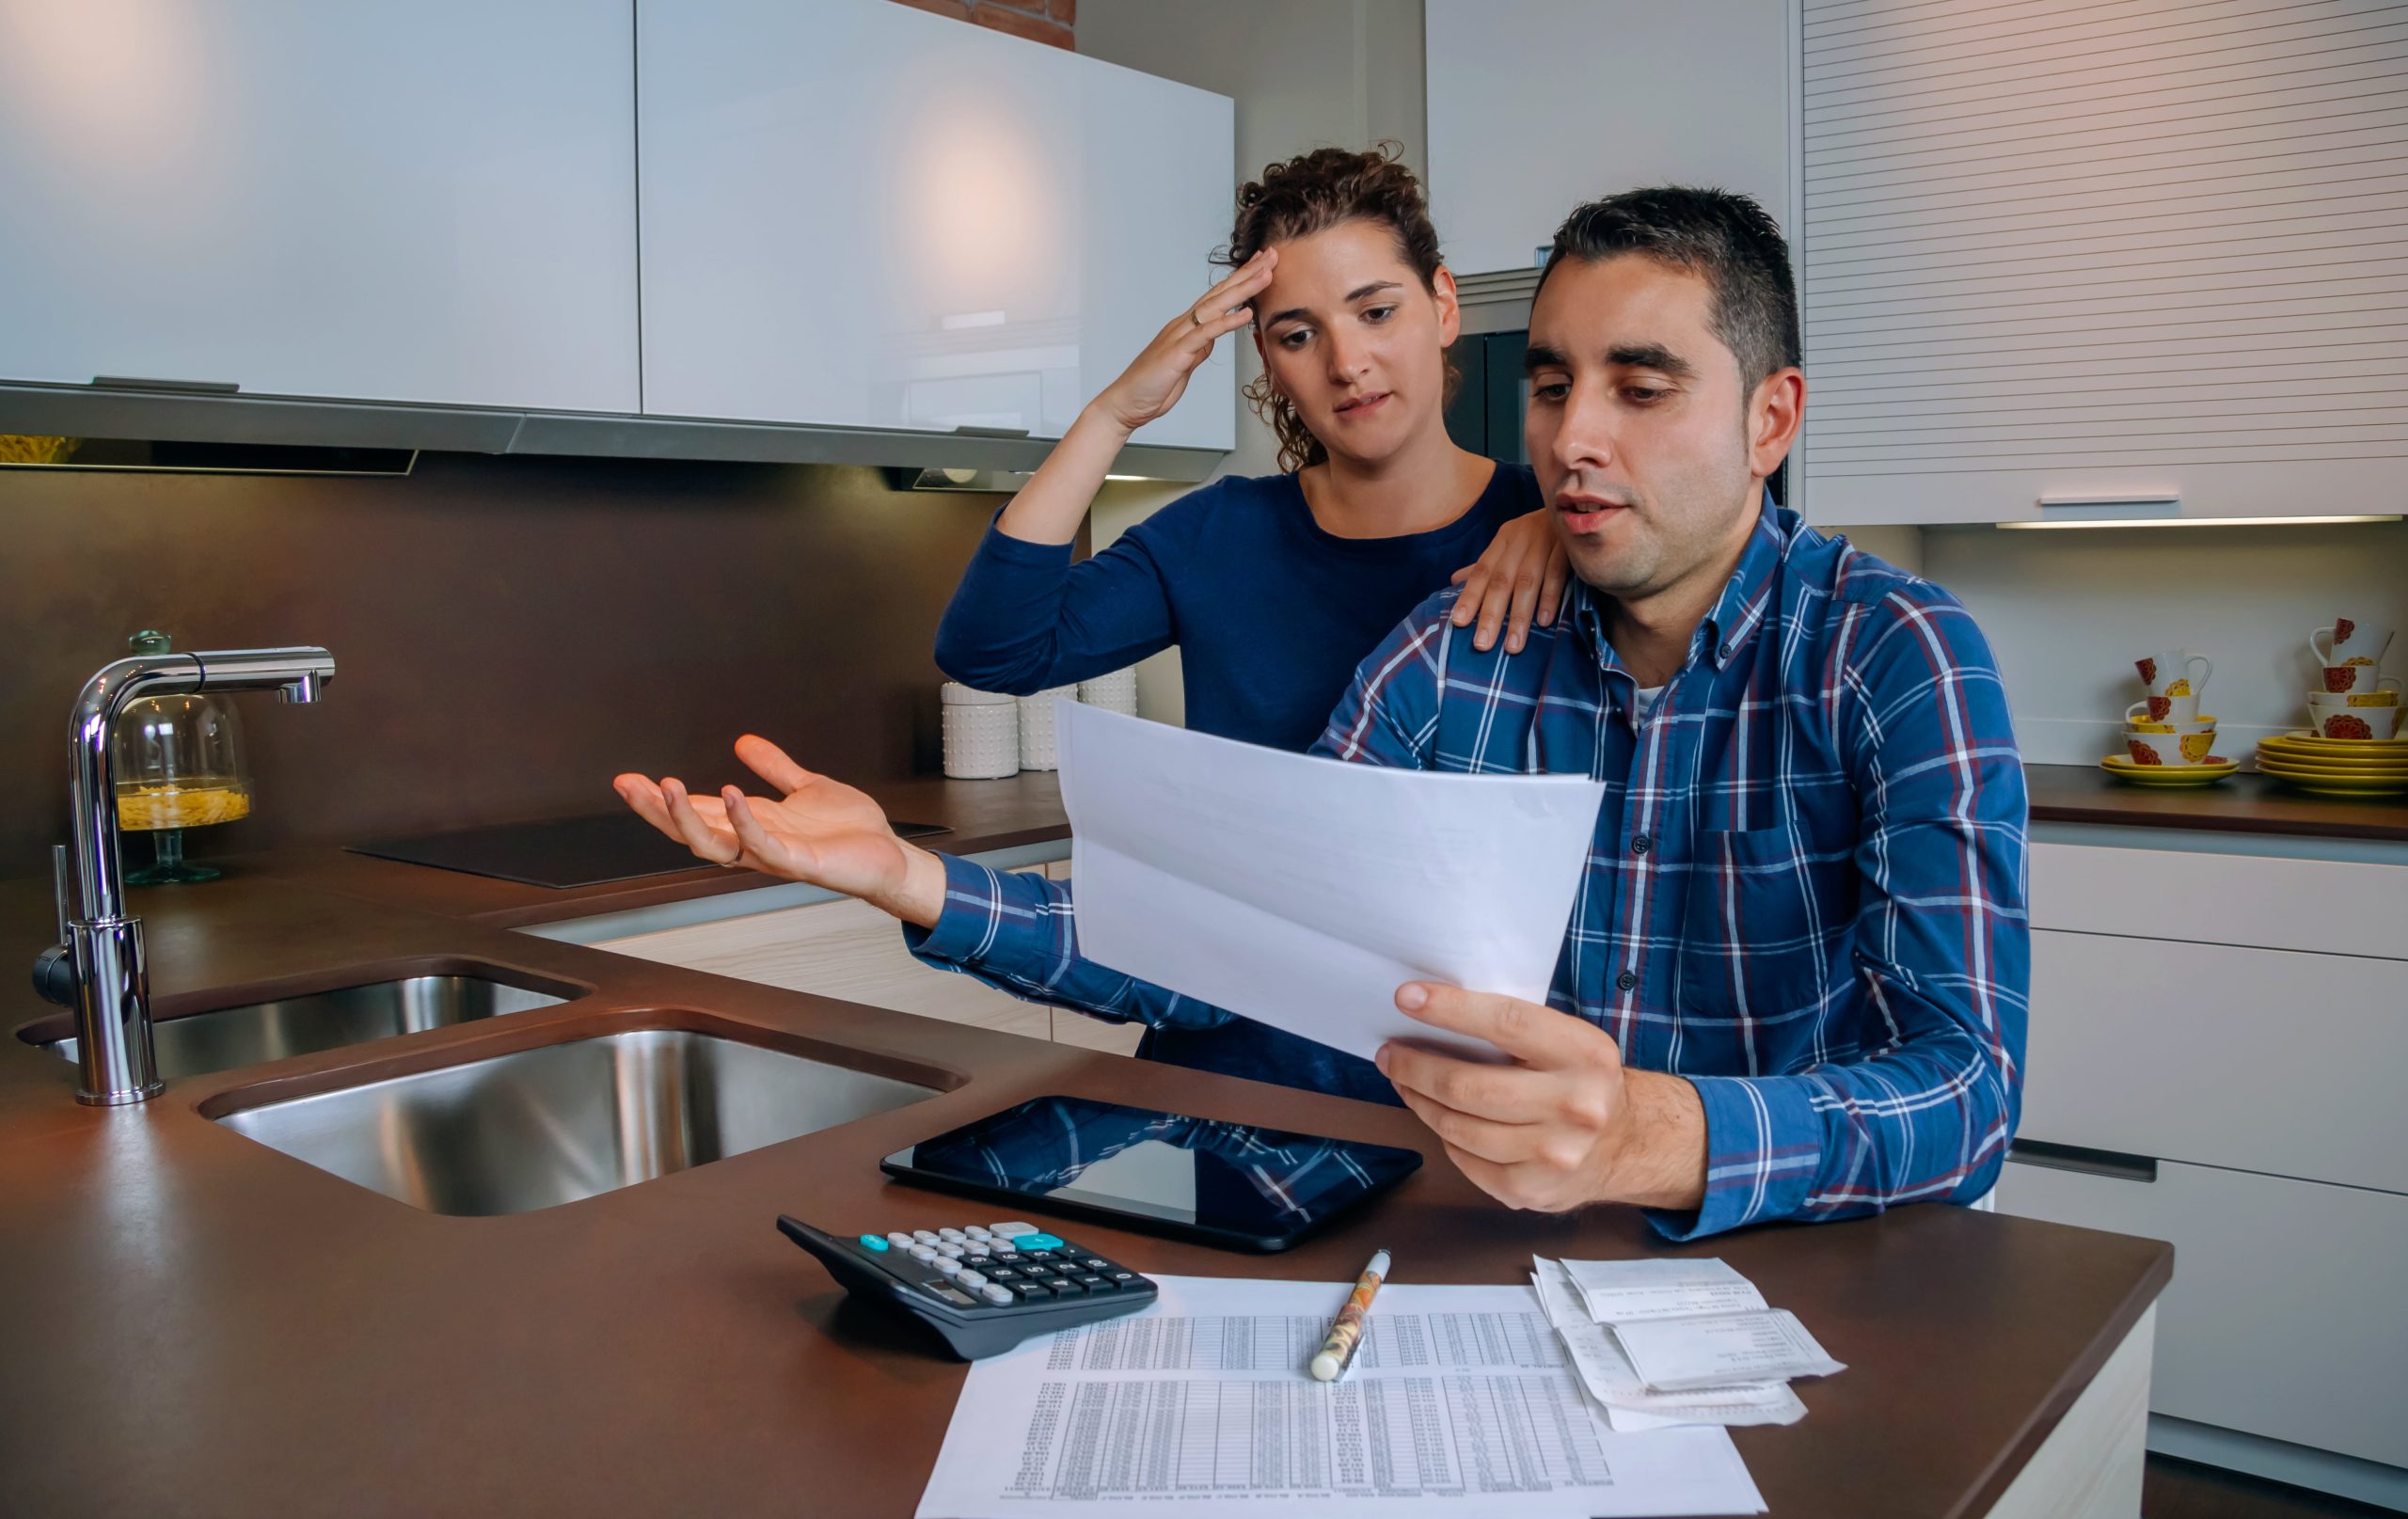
<point x="1796" y="973"/>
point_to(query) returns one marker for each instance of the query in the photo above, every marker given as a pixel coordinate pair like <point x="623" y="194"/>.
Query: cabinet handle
<point x="128" y="381"/>
<point x="2097" y="1162"/>
<point x="989" y="431"/>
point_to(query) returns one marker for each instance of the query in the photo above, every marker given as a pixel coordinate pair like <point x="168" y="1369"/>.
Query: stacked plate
<point x="2336" y="767"/>
<point x="2207" y="772"/>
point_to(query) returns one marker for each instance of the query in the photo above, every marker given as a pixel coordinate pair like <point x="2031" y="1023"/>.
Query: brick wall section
<point x="1040" y="21"/>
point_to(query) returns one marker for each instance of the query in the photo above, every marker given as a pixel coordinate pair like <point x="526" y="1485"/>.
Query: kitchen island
<point x="196" y="1322"/>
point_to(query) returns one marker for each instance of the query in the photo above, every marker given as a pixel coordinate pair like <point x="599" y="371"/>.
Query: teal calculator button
<point x="1035" y="1241"/>
<point x="874" y="1241"/>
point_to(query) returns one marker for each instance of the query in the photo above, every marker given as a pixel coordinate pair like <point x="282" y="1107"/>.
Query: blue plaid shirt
<point x="1806" y="893"/>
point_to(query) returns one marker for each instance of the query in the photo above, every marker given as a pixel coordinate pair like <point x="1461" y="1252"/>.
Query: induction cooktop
<point x="563" y="852"/>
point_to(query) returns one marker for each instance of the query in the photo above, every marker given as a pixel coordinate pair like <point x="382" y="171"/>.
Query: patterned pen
<point x="1346" y="1331"/>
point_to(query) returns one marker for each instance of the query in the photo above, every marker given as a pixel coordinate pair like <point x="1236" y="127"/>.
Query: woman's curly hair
<point x="1310" y="193"/>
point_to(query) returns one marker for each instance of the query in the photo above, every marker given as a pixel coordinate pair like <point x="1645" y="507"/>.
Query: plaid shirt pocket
<point x="1764" y="925"/>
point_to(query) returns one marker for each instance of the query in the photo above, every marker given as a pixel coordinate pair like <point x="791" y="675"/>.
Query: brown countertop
<point x="2245" y="803"/>
<point x="193" y="1323"/>
<point x="982" y="814"/>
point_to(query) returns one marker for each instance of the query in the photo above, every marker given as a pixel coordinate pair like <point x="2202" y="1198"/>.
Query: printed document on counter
<point x="1459" y="1403"/>
<point x="1301" y="891"/>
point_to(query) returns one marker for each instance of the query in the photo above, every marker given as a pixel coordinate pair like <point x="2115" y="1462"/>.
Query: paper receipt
<point x="1676" y="1355"/>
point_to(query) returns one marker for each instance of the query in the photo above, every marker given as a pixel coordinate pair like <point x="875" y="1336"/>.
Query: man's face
<point x="1639" y="426"/>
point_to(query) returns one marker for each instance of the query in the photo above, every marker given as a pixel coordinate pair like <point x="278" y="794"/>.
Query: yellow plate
<point x="2122" y="767"/>
<point x="2344" y="786"/>
<point x="2377" y="755"/>
<point x="2329" y="772"/>
<point x="2333" y="763"/>
<point x="2306" y="739"/>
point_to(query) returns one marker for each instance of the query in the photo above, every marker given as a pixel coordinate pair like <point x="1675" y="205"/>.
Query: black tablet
<point x="1226" y="1184"/>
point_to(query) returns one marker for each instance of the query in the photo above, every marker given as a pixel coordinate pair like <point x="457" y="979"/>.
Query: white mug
<point x="2162" y="712"/>
<point x="2171" y="672"/>
<point x="2349" y="640"/>
<point x="2357" y="680"/>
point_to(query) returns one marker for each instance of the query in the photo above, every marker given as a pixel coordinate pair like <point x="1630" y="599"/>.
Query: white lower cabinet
<point x="2284" y="1318"/>
<point x="854" y="953"/>
<point x="2257" y="1059"/>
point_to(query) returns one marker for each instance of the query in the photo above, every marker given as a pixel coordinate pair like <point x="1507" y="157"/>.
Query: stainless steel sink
<point x="540" y="1127"/>
<point x="199" y="1043"/>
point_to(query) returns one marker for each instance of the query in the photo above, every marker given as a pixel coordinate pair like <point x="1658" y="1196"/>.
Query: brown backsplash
<point x="508" y="632"/>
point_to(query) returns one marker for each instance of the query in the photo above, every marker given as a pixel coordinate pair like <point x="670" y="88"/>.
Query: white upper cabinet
<point x="857" y="215"/>
<point x="2098" y="253"/>
<point x="410" y="200"/>
<point x="1539" y="105"/>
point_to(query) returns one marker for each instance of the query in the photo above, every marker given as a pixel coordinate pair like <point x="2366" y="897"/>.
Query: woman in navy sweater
<point x="1274" y="587"/>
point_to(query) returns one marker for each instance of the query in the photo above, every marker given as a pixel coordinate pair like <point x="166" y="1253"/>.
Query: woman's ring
<point x="1196" y="317"/>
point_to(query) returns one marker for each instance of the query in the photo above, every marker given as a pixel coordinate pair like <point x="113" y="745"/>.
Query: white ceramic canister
<point x="1116" y="692"/>
<point x="981" y="733"/>
<point x="1036" y="747"/>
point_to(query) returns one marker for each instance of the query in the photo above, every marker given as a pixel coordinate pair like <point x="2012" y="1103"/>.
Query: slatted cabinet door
<point x="2103" y="249"/>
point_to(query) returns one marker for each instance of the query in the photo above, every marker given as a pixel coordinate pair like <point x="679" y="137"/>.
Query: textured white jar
<point x="981" y="733"/>
<point x="1036" y="747"/>
<point x="1116" y="692"/>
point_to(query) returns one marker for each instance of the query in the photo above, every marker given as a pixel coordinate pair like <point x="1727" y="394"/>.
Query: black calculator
<point x="983" y="1286"/>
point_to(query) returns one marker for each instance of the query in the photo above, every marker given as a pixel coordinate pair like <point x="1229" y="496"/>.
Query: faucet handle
<point x="58" y="889"/>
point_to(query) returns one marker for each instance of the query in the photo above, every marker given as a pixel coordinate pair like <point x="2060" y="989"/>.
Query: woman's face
<point x="1351" y="336"/>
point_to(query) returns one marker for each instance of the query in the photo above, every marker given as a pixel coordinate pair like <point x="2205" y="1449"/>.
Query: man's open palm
<point x="818" y="830"/>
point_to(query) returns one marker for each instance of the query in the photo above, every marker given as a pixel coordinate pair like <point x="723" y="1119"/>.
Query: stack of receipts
<point x="1665" y="1342"/>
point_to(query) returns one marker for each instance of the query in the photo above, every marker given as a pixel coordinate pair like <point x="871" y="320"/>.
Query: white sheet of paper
<point x="1628" y="1404"/>
<point x="1676" y="1355"/>
<point x="1459" y="1405"/>
<point x="1624" y="1291"/>
<point x="1302" y="892"/>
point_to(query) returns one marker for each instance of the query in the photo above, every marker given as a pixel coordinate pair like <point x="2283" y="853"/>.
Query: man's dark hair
<point x="1724" y="239"/>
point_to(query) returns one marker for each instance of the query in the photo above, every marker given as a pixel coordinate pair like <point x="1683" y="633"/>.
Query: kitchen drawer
<point x="847" y="950"/>
<point x="2284" y="1318"/>
<point x="2331" y="905"/>
<point x="2252" y="1059"/>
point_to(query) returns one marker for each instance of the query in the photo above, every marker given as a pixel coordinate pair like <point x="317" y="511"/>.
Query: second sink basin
<point x="536" y="1128"/>
<point x="197" y="1043"/>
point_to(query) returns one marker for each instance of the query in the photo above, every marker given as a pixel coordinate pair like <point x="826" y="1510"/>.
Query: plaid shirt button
<point x="1627" y="980"/>
<point x="1642" y="844"/>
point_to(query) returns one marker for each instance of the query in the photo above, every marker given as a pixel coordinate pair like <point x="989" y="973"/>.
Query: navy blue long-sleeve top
<point x="1271" y="615"/>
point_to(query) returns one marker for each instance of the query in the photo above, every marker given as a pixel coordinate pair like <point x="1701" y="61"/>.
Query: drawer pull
<point x="131" y="382"/>
<point x="2097" y="1162"/>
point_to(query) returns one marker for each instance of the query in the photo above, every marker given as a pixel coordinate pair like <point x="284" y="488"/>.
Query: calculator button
<point x="1068" y="1286"/>
<point x="1032" y="1291"/>
<point x="1002" y="1273"/>
<point x="1034" y="1241"/>
<point x="923" y="1254"/>
<point x="1123" y="1276"/>
<point x="950" y="1250"/>
<point x="979" y="1232"/>
<point x="954" y="1235"/>
<point x="1096" y="1263"/>
<point x="876" y="1244"/>
<point x="924" y="1236"/>
<point x="947" y="1265"/>
<point x="899" y="1238"/>
<point x="992" y="1292"/>
<point x="1094" y="1283"/>
<point x="977" y="1251"/>
<point x="1008" y="1230"/>
<point x="971" y="1278"/>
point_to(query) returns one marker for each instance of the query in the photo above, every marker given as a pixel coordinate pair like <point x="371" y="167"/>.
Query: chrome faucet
<point x="97" y="968"/>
